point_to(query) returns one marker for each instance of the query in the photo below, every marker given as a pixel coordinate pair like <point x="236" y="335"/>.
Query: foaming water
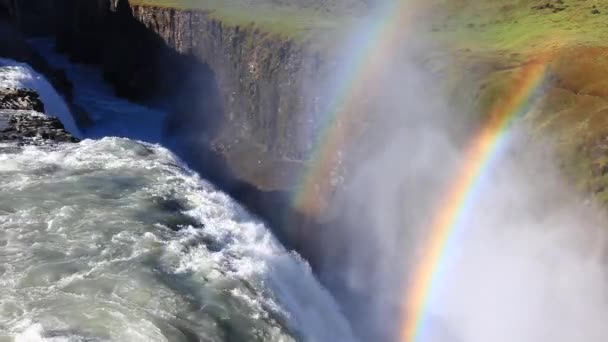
<point x="117" y="240"/>
<point x="111" y="116"/>
<point x="20" y="75"/>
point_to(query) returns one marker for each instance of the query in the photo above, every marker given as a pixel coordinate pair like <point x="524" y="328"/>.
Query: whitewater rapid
<point x="114" y="239"/>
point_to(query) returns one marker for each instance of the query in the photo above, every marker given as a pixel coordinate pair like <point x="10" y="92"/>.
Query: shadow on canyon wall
<point x="13" y="46"/>
<point x="143" y="67"/>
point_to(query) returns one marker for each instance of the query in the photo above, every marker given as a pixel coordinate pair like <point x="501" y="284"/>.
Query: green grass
<point x="476" y="24"/>
<point x="490" y="39"/>
<point x="514" y="25"/>
<point x="286" y="20"/>
<point x="497" y="36"/>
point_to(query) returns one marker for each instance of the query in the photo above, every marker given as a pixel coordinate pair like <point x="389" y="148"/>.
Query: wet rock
<point x="22" y="119"/>
<point x="28" y="127"/>
<point x="20" y="99"/>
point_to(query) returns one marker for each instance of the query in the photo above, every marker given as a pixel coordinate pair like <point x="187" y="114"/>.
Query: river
<point x="115" y="239"/>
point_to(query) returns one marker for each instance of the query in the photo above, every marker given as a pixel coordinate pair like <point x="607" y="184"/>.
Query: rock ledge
<point x="22" y="120"/>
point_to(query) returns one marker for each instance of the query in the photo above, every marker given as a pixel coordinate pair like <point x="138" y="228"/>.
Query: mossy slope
<point x="497" y="36"/>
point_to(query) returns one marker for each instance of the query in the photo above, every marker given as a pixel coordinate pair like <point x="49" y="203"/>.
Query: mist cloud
<point x="528" y="264"/>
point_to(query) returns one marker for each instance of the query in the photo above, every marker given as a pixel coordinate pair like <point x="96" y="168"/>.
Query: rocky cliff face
<point x="79" y="27"/>
<point x="237" y="93"/>
<point x="13" y="46"/>
<point x="32" y="16"/>
<point x="236" y="86"/>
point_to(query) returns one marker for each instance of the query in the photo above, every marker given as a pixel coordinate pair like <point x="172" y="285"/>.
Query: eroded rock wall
<point x="79" y="27"/>
<point x="237" y="94"/>
<point x="243" y="83"/>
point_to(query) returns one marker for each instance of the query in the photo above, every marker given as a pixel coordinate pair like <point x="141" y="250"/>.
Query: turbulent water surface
<point x="116" y="240"/>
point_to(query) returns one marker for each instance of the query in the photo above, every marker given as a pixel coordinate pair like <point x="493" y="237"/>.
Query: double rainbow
<point x="364" y="68"/>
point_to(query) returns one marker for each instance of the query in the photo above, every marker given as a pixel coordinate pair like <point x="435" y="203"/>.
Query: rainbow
<point x="374" y="54"/>
<point x="377" y="46"/>
<point x="460" y="195"/>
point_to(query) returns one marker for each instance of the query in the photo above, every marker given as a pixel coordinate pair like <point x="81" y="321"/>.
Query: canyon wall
<point x="246" y="103"/>
<point x="236" y="94"/>
<point x="239" y="87"/>
<point x="33" y="17"/>
<point x="13" y="45"/>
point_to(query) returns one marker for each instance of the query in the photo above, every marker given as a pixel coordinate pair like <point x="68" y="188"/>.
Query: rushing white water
<point x="116" y="240"/>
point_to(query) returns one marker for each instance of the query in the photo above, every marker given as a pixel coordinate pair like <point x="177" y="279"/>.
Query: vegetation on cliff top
<point x="494" y="37"/>
<point x="524" y="25"/>
<point x="490" y="40"/>
<point x="279" y="17"/>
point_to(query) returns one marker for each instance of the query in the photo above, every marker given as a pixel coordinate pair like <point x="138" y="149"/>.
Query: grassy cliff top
<point x="489" y="40"/>
<point x="522" y="25"/>
<point x="493" y="37"/>
<point x="481" y="24"/>
<point x="282" y="17"/>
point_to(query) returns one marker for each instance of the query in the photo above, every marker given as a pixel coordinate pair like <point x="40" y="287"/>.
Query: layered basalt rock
<point x="236" y="93"/>
<point x="22" y="120"/>
<point x="28" y="127"/>
<point x="20" y="99"/>
<point x="235" y="89"/>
